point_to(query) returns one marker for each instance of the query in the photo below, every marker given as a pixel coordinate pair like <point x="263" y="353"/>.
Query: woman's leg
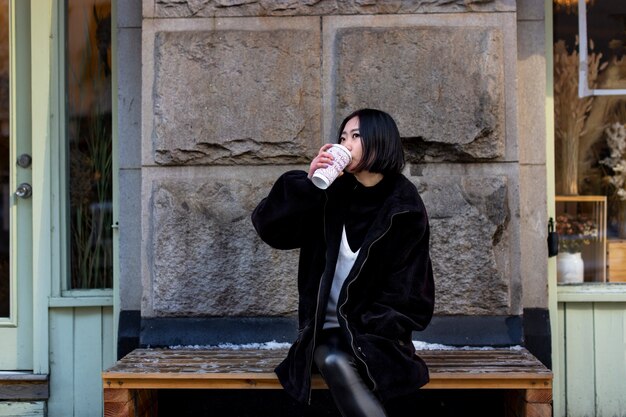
<point x="352" y="396"/>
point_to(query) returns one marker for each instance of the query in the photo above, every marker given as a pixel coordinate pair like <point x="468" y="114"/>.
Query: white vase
<point x="570" y="268"/>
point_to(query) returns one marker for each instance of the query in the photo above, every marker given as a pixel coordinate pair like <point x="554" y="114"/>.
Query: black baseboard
<point x="473" y="331"/>
<point x="128" y="332"/>
<point x="531" y="330"/>
<point x="448" y="330"/>
<point x="168" y="331"/>
<point x="537" y="334"/>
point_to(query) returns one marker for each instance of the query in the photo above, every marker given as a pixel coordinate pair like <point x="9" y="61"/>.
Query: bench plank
<point x="254" y="368"/>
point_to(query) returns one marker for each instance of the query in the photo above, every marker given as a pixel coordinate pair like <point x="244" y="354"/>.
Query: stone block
<point x="128" y="14"/>
<point x="236" y="96"/>
<point x="469" y="218"/>
<point x="130" y="238"/>
<point x="147" y="8"/>
<point x="531" y="100"/>
<point x="444" y="85"/>
<point x="129" y="97"/>
<point x="233" y="8"/>
<point x="203" y="254"/>
<point x="533" y="235"/>
<point x="530" y="10"/>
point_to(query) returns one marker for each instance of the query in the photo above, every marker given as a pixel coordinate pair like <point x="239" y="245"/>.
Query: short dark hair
<point x="380" y="139"/>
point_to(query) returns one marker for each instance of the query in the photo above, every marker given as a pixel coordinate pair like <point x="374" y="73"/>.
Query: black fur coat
<point x="388" y="294"/>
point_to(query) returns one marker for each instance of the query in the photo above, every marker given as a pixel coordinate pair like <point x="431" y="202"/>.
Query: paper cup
<point x="323" y="177"/>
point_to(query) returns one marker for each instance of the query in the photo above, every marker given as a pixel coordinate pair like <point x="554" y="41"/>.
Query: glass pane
<point x="4" y="160"/>
<point x="606" y="21"/>
<point x="88" y="83"/>
<point x="590" y="140"/>
<point x="580" y="223"/>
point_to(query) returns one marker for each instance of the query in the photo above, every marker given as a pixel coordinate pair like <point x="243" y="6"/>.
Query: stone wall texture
<point x="231" y="103"/>
<point x="442" y="84"/>
<point x="229" y="8"/>
<point x="209" y="89"/>
<point x="207" y="259"/>
<point x="470" y="222"/>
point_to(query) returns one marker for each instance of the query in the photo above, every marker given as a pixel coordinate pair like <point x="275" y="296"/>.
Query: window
<point x="590" y="140"/>
<point x="89" y="137"/>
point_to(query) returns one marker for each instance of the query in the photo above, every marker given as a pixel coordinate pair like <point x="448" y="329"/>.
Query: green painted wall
<point x="592" y="355"/>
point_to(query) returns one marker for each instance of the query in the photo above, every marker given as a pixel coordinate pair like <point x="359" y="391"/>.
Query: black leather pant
<point x="352" y="396"/>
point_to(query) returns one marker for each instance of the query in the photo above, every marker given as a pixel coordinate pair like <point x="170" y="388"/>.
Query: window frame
<point x="583" y="81"/>
<point x="62" y="294"/>
<point x="587" y="292"/>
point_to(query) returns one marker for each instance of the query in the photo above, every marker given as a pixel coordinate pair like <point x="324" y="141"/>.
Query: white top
<point x="345" y="261"/>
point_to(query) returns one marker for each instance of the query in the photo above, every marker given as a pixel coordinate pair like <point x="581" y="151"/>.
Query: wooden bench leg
<point x="529" y="403"/>
<point x="130" y="403"/>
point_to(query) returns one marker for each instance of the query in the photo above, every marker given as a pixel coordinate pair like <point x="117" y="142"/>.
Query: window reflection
<point x="590" y="135"/>
<point x="88" y="80"/>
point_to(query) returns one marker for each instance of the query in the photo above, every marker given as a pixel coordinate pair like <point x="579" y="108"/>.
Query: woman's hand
<point x="322" y="160"/>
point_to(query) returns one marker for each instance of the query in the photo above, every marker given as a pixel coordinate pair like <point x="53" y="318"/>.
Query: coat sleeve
<point x="285" y="217"/>
<point x="406" y="299"/>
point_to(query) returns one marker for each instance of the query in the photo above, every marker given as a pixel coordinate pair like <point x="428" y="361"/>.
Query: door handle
<point x="24" y="190"/>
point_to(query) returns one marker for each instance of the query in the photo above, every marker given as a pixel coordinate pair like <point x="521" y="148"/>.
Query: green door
<point x="16" y="272"/>
<point x="56" y="258"/>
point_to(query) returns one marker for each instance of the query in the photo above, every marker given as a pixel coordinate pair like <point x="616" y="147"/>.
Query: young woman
<point x="365" y="279"/>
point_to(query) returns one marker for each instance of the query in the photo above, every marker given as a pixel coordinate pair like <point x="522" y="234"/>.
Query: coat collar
<point x="403" y="198"/>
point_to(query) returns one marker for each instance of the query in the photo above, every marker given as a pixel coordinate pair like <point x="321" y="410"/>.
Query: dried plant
<point x="616" y="161"/>
<point x="571" y="111"/>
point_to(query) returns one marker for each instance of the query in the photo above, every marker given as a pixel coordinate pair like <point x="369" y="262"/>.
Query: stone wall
<point x="236" y="92"/>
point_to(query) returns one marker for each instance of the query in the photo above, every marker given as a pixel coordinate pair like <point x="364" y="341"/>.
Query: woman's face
<point x="351" y="139"/>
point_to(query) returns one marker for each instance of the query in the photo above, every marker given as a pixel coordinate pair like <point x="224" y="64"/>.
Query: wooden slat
<point x="579" y="360"/>
<point x="221" y="361"/>
<point x="118" y="403"/>
<point x="62" y="396"/>
<point x="8" y="376"/>
<point x="616" y="260"/>
<point x="610" y="351"/>
<point x="87" y="360"/>
<point x="22" y="409"/>
<point x="269" y="381"/>
<point x="538" y="396"/>
<point x="108" y="336"/>
<point x="559" y="389"/>
<point x="253" y="369"/>
<point x="23" y="387"/>
<point x="130" y="403"/>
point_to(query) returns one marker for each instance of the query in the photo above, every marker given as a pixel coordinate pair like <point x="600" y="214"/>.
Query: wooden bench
<point x="129" y="385"/>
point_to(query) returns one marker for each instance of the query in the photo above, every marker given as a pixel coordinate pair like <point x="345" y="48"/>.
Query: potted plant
<point x="575" y="231"/>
